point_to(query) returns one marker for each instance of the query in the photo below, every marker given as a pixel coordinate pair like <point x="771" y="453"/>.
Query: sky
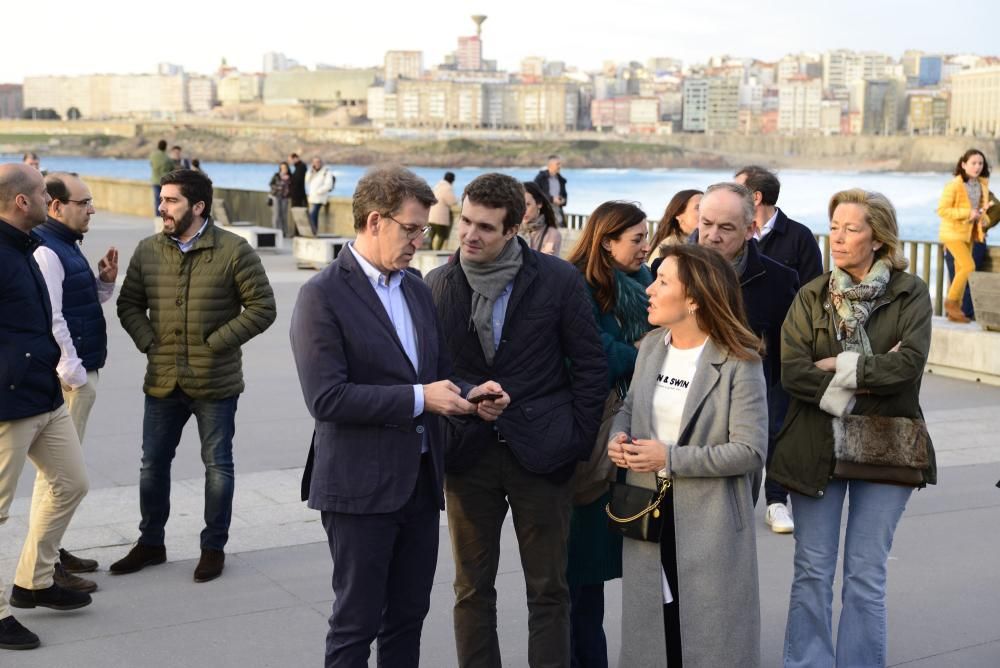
<point x="112" y="36"/>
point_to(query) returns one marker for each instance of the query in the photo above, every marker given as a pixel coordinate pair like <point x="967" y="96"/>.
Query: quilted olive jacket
<point x="888" y="380"/>
<point x="190" y="312"/>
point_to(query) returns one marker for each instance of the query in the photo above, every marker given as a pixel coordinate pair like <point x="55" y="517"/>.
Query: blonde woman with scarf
<point x="853" y="350"/>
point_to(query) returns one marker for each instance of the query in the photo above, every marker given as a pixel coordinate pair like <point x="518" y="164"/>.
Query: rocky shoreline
<point x="870" y="154"/>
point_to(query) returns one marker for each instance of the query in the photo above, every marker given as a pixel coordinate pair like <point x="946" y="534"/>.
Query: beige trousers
<point x="79" y="403"/>
<point x="50" y="441"/>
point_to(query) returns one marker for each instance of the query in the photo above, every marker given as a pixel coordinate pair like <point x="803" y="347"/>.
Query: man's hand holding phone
<point x="489" y="399"/>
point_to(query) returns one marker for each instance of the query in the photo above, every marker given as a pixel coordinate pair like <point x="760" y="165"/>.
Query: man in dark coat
<point x="297" y="191"/>
<point x="726" y="224"/>
<point x="779" y="237"/>
<point x="374" y="371"/>
<point x="523" y="319"/>
<point x="553" y="185"/>
<point x="34" y="422"/>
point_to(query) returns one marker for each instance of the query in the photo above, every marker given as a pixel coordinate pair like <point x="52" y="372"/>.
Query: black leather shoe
<point x="138" y="558"/>
<point x="210" y="565"/>
<point x="67" y="580"/>
<point x="54" y="597"/>
<point x="15" y="636"/>
<point x="75" y="564"/>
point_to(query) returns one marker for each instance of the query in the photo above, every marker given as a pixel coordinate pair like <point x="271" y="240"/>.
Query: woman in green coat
<point x="853" y="350"/>
<point x="611" y="255"/>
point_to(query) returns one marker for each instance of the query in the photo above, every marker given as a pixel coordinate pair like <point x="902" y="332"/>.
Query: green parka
<point x="890" y="381"/>
<point x="190" y="312"/>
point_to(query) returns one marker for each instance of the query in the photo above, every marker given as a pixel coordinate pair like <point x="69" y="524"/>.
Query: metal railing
<point x="926" y="258"/>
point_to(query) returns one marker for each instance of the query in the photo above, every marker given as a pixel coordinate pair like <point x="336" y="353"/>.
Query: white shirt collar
<point x="768" y="226"/>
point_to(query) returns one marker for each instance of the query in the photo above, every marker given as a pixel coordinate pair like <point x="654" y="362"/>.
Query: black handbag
<point x="635" y="512"/>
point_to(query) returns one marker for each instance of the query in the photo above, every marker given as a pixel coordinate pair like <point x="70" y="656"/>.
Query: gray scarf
<point x="740" y="262"/>
<point x="488" y="281"/>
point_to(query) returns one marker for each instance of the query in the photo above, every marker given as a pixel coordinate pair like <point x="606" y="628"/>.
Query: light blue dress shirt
<point x="185" y="246"/>
<point x="389" y="292"/>
<point x="500" y="313"/>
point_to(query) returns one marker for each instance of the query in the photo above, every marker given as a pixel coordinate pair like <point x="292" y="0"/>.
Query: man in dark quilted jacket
<point x="192" y="296"/>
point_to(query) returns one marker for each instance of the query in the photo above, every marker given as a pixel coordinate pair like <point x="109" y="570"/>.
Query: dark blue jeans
<point x="162" y="424"/>
<point x="314" y="217"/>
<point x="979" y="252"/>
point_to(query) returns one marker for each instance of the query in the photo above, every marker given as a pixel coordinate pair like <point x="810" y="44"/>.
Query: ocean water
<point x="804" y="193"/>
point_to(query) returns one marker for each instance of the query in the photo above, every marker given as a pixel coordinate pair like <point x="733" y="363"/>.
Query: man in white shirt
<point x="78" y="324"/>
<point x="319" y="185"/>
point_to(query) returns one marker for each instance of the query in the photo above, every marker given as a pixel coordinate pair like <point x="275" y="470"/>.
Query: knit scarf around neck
<point x="488" y="280"/>
<point x="853" y="303"/>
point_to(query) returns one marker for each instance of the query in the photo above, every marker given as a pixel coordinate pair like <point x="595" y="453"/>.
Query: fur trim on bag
<point x="881" y="441"/>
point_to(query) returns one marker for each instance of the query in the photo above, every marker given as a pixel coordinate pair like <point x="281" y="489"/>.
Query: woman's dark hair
<point x="194" y="185"/>
<point x="285" y="164"/>
<point x="449" y="177"/>
<point x="669" y="225"/>
<point x="608" y="221"/>
<point x="965" y="158"/>
<point x="542" y="201"/>
<point x="711" y="282"/>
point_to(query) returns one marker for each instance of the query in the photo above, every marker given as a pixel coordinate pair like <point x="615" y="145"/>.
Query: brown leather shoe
<point x="953" y="311"/>
<point x="210" y="565"/>
<point x="75" y="564"/>
<point x="138" y="558"/>
<point x="67" y="580"/>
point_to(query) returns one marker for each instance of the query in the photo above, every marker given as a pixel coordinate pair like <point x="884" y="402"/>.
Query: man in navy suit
<point x="374" y="370"/>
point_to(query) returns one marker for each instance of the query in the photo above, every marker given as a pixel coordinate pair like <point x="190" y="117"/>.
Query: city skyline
<point x="95" y="41"/>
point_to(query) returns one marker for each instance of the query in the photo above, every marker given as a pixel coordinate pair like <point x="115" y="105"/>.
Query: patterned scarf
<point x="854" y="302"/>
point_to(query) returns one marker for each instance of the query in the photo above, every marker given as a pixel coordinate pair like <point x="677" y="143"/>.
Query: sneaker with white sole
<point x="779" y="519"/>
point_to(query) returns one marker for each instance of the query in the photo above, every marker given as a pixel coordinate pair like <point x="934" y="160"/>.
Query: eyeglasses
<point x="82" y="202"/>
<point x="411" y="231"/>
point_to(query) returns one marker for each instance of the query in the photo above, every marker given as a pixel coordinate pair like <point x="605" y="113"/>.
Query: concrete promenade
<point x="271" y="604"/>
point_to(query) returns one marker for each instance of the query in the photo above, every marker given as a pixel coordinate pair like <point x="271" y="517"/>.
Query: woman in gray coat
<point x="696" y="414"/>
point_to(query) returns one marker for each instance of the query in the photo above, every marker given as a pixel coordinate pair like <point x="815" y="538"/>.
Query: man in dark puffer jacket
<point x="77" y="324"/>
<point x="192" y="296"/>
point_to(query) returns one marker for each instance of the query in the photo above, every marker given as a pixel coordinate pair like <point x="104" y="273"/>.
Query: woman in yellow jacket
<point x="962" y="208"/>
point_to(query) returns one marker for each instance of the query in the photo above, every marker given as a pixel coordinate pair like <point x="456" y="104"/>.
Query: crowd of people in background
<point x="625" y="404"/>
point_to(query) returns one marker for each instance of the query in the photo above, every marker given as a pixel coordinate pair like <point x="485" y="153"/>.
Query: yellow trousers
<point x="961" y="251"/>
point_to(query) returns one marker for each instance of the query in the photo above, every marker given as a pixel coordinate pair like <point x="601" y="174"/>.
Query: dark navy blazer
<point x="792" y="244"/>
<point x="358" y="385"/>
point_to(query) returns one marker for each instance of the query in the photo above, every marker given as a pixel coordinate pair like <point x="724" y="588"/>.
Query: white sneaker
<point x="779" y="519"/>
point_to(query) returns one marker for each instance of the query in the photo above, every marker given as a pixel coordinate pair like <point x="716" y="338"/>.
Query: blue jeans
<point x="314" y="217"/>
<point x="872" y="515"/>
<point x="162" y="424"/>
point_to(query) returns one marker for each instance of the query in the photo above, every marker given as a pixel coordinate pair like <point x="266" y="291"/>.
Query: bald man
<point x="78" y="323"/>
<point x="34" y="422"/>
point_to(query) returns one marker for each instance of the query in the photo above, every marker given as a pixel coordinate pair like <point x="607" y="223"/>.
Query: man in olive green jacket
<point x="192" y="296"/>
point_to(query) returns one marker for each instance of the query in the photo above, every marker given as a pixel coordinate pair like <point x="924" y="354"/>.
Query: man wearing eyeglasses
<point x="78" y="325"/>
<point x="374" y="371"/>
